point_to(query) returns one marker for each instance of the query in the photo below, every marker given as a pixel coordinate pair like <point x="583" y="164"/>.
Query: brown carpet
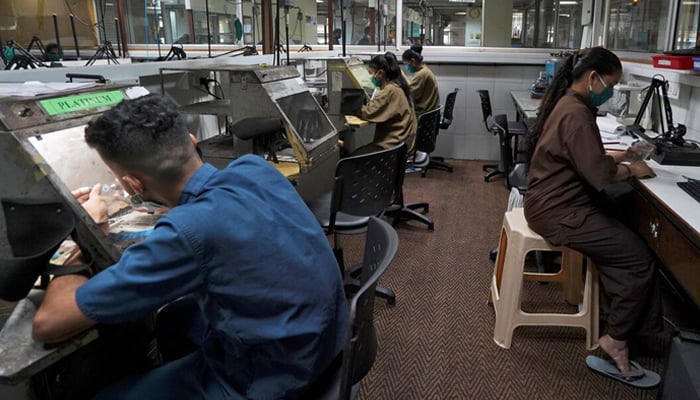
<point x="437" y="342"/>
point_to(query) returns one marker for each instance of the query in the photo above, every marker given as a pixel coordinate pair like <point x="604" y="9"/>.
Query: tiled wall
<point x="467" y="137"/>
<point x="691" y="115"/>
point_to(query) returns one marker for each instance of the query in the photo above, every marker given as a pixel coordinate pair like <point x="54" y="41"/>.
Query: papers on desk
<point x="609" y="126"/>
<point x="613" y="133"/>
<point x="352" y="120"/>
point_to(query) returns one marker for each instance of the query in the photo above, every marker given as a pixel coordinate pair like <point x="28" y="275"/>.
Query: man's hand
<point x="94" y="203"/>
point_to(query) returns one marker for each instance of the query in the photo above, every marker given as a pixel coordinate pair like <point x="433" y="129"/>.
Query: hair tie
<point x="574" y="61"/>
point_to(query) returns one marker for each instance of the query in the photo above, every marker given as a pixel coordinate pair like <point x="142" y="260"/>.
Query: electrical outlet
<point x="674" y="90"/>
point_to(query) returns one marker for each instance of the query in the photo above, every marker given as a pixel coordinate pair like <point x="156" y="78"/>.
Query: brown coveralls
<point x="564" y="204"/>
<point x="394" y="116"/>
<point x="424" y="89"/>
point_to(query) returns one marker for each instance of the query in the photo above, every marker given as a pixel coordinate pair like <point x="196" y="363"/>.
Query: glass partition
<point x="223" y="22"/>
<point x="638" y="25"/>
<point x="533" y="23"/>
<point x="367" y="23"/>
<point x="688" y="25"/>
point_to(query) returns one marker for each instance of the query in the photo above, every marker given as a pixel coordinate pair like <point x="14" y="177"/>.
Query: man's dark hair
<point x="146" y="134"/>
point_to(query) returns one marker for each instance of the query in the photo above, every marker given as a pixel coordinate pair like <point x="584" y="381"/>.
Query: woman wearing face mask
<point x="391" y="108"/>
<point x="424" y="86"/>
<point x="568" y="170"/>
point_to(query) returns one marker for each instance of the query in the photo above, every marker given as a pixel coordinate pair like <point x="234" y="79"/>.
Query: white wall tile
<point x="449" y="70"/>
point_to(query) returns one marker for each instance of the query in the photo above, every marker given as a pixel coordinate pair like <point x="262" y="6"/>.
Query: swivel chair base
<point x="352" y="285"/>
<point x="408" y="212"/>
<point x="439" y="163"/>
<point x="492" y="173"/>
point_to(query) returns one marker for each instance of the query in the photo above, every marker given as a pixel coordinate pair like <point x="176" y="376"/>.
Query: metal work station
<point x="264" y="110"/>
<point x="45" y="157"/>
<point x="346" y="87"/>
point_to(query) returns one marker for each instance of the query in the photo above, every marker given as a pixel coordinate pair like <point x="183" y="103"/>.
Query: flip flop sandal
<point x="637" y="377"/>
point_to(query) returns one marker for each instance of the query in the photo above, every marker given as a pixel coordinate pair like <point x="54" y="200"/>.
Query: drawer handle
<point x="654" y="227"/>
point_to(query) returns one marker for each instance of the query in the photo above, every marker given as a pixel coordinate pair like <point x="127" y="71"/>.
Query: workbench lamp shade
<point x="34" y="232"/>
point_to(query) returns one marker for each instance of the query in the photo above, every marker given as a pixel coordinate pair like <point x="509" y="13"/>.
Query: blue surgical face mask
<point x="597" y="99"/>
<point x="410" y="68"/>
<point x="53" y="57"/>
<point x="376" y="82"/>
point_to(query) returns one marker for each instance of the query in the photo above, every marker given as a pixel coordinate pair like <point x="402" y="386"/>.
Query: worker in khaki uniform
<point x="424" y="85"/>
<point x="391" y="108"/>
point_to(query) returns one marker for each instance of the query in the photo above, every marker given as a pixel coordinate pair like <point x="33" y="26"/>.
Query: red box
<point x="673" y="62"/>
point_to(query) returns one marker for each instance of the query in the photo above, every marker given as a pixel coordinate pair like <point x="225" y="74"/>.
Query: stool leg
<point x="572" y="267"/>
<point x="498" y="267"/>
<point x="511" y="285"/>
<point x="593" y="308"/>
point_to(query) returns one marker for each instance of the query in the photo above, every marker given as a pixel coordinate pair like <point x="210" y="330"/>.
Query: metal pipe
<point x="75" y="37"/>
<point x="206" y="5"/>
<point x="58" y="38"/>
<point x="157" y="26"/>
<point x="119" y="41"/>
<point x="286" y="29"/>
<point x="122" y="30"/>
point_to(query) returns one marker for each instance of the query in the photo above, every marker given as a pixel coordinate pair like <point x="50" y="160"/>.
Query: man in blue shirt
<point x="239" y="240"/>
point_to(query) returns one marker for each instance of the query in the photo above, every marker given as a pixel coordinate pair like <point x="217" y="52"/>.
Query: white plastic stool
<point x="516" y="240"/>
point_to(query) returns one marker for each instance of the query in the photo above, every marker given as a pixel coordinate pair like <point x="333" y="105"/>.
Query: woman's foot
<point x="617" y="350"/>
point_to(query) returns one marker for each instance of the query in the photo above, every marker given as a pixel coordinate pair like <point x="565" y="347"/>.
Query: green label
<point x="69" y="104"/>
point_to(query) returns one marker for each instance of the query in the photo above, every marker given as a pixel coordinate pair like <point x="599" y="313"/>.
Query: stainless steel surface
<point x="526" y="105"/>
<point x="246" y="91"/>
<point x="213" y="107"/>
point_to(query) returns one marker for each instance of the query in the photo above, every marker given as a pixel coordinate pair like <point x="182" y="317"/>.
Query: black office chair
<point x="176" y="326"/>
<point x="515" y="172"/>
<point x="364" y="186"/>
<point x="426" y="136"/>
<point x="425" y="142"/>
<point x="445" y="122"/>
<point x="342" y="380"/>
<point x="515" y="128"/>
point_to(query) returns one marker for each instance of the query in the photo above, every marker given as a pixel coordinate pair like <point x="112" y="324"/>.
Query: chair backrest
<point x="365" y="184"/>
<point x="361" y="350"/>
<point x="447" y="111"/>
<point x="486" y="111"/>
<point x="500" y="126"/>
<point x="426" y="135"/>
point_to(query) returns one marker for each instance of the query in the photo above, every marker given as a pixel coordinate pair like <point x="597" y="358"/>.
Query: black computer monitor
<point x="306" y="117"/>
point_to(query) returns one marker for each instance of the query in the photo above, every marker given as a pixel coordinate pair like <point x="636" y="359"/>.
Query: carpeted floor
<point x="437" y="343"/>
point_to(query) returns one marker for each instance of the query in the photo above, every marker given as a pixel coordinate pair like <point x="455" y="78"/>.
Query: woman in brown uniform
<point x="391" y="108"/>
<point x="423" y="85"/>
<point x="568" y="170"/>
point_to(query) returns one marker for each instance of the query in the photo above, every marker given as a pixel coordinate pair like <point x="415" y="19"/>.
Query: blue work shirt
<point x="242" y="242"/>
